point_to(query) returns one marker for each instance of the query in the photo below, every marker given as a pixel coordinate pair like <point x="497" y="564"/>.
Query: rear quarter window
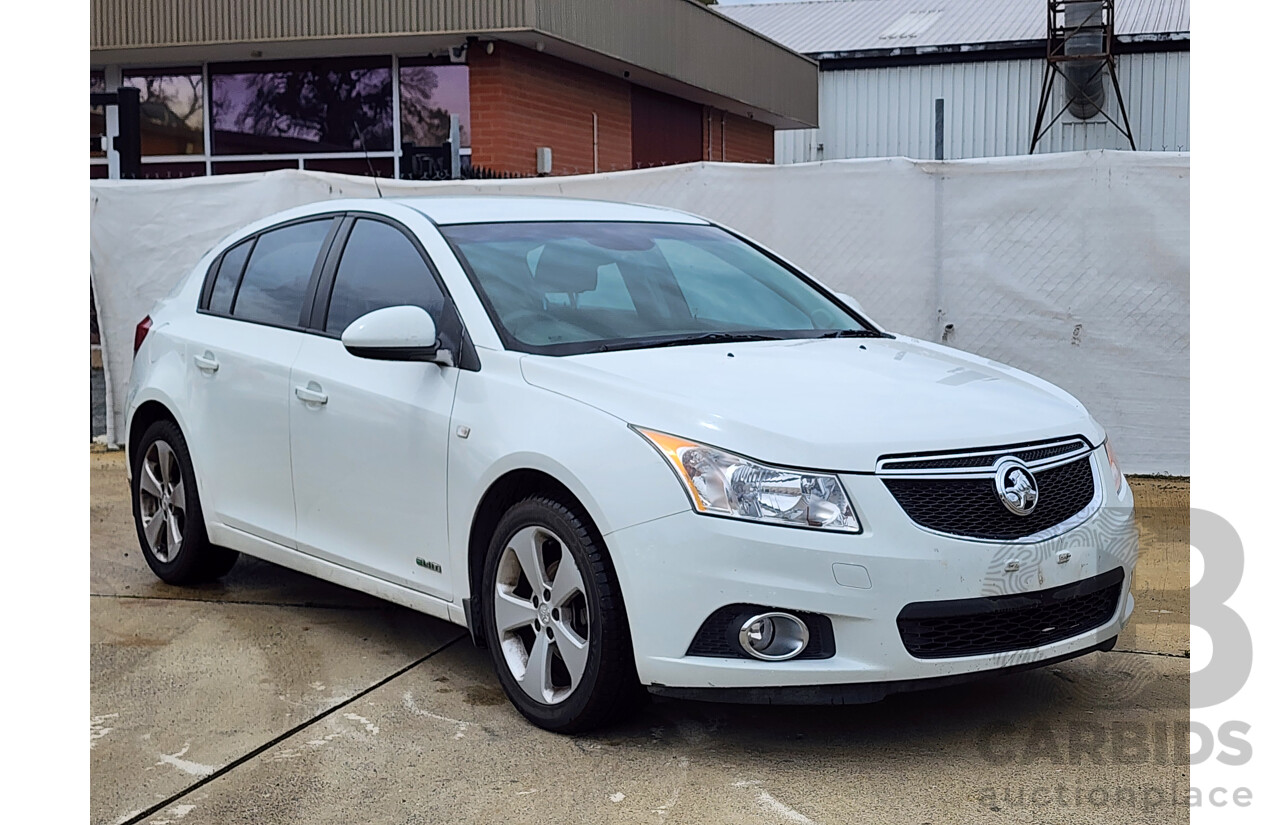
<point x="279" y="271"/>
<point x="227" y="278"/>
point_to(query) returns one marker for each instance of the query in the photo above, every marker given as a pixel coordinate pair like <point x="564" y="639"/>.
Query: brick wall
<point x="521" y="100"/>
<point x="736" y="139"/>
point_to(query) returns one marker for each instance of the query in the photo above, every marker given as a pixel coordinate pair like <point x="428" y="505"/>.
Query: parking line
<point x="156" y="808"/>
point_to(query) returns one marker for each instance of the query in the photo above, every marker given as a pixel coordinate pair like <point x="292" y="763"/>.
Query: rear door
<point x="370" y="438"/>
<point x="243" y="343"/>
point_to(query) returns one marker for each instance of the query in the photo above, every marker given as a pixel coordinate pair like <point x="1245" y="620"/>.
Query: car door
<point x="242" y="345"/>
<point x="370" y="438"/>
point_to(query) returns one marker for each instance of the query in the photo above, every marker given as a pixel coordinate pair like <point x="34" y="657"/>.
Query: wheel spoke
<point x="174" y="534"/>
<point x="148" y="482"/>
<point x="153" y="527"/>
<point x="527" y="545"/>
<point x="178" y="498"/>
<point x="568" y="581"/>
<point x="536" y="680"/>
<point x="164" y="456"/>
<point x="573" y="650"/>
<point x="511" y="612"/>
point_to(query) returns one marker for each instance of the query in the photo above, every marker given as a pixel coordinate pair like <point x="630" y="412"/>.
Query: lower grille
<point x="970" y="507"/>
<point x="998" y="624"/>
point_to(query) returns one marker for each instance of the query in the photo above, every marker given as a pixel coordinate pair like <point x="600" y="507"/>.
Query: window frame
<point x="466" y="358"/>
<point x="308" y="295"/>
<point x="315" y="301"/>
<point x="215" y="274"/>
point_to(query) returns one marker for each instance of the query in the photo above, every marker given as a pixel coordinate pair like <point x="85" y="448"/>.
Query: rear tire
<point x="554" y="620"/>
<point x="167" y="513"/>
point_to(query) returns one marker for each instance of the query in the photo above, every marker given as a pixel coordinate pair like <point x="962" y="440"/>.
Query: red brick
<point x="522" y="100"/>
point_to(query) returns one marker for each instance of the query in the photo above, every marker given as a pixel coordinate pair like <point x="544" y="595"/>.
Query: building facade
<point x="534" y="86"/>
<point x="884" y="66"/>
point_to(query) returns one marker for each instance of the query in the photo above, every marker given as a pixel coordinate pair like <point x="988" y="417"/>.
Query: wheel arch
<point x="147" y="413"/>
<point x="149" y="408"/>
<point x="511" y="487"/>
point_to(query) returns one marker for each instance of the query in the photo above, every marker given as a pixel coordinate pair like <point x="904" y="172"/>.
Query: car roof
<point x="460" y="209"/>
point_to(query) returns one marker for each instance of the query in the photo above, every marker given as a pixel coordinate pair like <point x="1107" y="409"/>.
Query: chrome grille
<point x="1034" y="454"/>
<point x="955" y="493"/>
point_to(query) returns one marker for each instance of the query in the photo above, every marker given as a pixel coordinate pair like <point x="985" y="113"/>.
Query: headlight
<point x="1117" y="477"/>
<point x="723" y="484"/>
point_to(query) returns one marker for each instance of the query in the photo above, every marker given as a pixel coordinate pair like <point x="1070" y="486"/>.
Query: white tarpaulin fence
<point x="1074" y="267"/>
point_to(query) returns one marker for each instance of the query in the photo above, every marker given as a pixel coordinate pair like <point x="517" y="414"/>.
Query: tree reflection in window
<point x="428" y="95"/>
<point x="296" y="108"/>
<point x="172" y="111"/>
<point x="97" y="116"/>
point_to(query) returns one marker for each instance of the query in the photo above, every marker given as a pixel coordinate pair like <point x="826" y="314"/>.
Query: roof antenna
<point x="365" y="147"/>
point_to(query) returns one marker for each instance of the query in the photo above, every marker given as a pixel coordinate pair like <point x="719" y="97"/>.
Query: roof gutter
<point x="981" y="52"/>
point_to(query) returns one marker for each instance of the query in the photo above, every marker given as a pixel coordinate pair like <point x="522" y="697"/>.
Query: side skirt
<point x="251" y="545"/>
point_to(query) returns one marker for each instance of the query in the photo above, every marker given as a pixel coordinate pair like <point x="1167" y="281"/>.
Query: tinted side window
<point x="279" y="271"/>
<point x="380" y="267"/>
<point x="224" y="284"/>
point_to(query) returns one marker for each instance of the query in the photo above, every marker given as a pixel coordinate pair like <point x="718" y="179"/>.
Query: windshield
<point x="567" y="288"/>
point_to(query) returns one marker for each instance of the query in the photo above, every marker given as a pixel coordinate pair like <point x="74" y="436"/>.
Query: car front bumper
<point x="676" y="571"/>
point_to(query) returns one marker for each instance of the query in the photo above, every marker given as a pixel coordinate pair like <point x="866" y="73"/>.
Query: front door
<point x="370" y="438"/>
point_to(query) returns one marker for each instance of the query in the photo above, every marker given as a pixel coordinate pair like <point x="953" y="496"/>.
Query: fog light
<point x="773" y="636"/>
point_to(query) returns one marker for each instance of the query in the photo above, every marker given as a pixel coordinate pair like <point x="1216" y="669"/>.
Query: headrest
<point x="569" y="266"/>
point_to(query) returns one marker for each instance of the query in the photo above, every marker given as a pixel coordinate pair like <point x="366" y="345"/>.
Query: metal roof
<point x="674" y="46"/>
<point x="834" y="27"/>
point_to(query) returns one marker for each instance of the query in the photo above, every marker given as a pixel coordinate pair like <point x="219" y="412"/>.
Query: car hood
<point x="836" y="404"/>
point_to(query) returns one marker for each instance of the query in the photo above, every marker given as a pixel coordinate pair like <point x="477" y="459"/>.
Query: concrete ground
<point x="274" y="697"/>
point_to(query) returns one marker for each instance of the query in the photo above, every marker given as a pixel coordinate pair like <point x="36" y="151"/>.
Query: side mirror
<point x="852" y="303"/>
<point x="403" y="333"/>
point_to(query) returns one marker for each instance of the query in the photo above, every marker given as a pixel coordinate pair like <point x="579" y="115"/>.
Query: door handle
<point x="311" y="394"/>
<point x="207" y="362"/>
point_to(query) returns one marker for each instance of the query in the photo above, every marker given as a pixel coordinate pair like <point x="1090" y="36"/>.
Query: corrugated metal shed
<point x="834" y="27"/>
<point x="990" y="109"/>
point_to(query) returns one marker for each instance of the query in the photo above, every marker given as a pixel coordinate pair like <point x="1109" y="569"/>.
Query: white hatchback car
<point x="627" y="448"/>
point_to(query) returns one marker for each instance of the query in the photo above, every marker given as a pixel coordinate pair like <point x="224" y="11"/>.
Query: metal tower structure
<point x="1079" y="50"/>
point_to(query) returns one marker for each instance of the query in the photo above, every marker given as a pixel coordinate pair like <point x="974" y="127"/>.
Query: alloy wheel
<point x="163" y="501"/>
<point x="541" y="615"/>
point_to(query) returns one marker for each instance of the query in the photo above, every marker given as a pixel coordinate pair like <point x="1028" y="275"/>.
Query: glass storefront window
<point x="428" y="95"/>
<point x="302" y="107"/>
<point x="171" y="104"/>
<point x="97" y="117"/>
<point x="264" y="115"/>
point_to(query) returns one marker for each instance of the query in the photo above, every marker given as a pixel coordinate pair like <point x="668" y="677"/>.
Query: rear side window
<point x="381" y="267"/>
<point x="279" y="271"/>
<point x="224" y="284"/>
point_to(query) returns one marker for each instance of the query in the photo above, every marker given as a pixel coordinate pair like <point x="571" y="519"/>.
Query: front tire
<point x="167" y="514"/>
<point x="554" y="620"/>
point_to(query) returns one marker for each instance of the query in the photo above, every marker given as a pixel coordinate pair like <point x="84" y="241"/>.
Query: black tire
<point x="608" y="690"/>
<point x="195" y="560"/>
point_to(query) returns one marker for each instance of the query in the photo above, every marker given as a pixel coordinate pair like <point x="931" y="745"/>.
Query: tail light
<point x="140" y="333"/>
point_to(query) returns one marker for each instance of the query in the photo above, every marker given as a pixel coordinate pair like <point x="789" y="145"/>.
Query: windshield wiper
<point x="702" y="338"/>
<point x="853" y="333"/>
